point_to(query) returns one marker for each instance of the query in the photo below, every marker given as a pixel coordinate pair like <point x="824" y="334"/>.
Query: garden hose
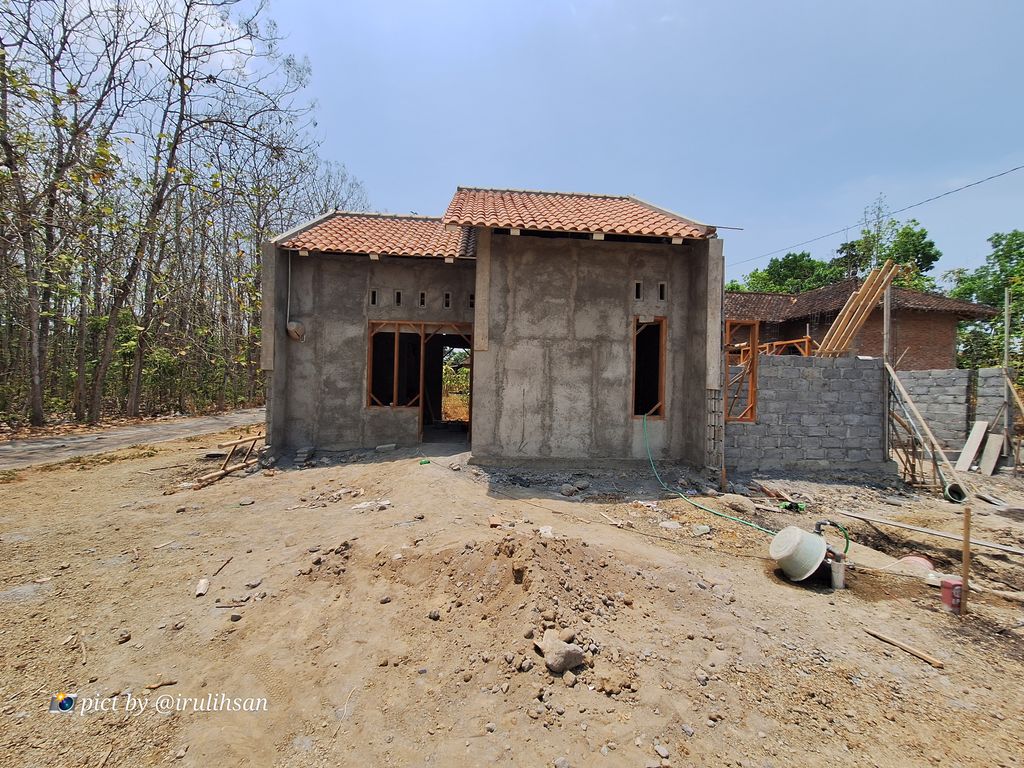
<point x="661" y="482"/>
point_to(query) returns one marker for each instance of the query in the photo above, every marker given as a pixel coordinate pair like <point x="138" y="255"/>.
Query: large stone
<point x="737" y="503"/>
<point x="559" y="655"/>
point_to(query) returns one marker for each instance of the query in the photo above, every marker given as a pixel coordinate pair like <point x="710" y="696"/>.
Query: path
<point x="17" y="454"/>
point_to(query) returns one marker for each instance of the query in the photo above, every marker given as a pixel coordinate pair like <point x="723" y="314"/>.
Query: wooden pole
<point x="1006" y="369"/>
<point x="936" y="449"/>
<point x="886" y="345"/>
<point x="965" y="561"/>
<point x="930" y="532"/>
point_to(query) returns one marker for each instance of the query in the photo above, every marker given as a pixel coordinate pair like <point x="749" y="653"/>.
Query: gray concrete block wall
<point x="814" y="414"/>
<point x="944" y="399"/>
<point x="989" y="397"/>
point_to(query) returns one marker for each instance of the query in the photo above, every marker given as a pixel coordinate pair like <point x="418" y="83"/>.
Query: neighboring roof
<point x="754" y="305"/>
<point x="380" y="233"/>
<point x="779" y="307"/>
<point x="568" y="212"/>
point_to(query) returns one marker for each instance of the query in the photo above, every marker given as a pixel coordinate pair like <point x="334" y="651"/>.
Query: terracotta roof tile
<point x="779" y="307"/>
<point x="831" y="298"/>
<point x="385" y="234"/>
<point x="751" y="305"/>
<point x="568" y="212"/>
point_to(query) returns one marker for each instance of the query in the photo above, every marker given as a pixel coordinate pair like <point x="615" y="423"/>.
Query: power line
<point x="891" y="213"/>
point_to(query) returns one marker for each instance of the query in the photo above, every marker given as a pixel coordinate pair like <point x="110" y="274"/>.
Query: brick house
<point x="923" y="328"/>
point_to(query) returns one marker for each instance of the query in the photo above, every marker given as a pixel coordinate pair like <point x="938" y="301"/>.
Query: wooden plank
<point x="990" y="455"/>
<point x="931" y="532"/>
<point x="935" y="447"/>
<point x="974" y="441"/>
<point x="867" y="298"/>
<point x="867" y="306"/>
<point x="849" y="310"/>
<point x="908" y="648"/>
<point x="240" y="440"/>
<point x="832" y="328"/>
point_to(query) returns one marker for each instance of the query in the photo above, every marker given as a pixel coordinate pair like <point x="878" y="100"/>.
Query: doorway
<point x="447" y="387"/>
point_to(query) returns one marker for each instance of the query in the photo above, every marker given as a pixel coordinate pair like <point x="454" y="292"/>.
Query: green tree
<point x="881" y="238"/>
<point x="791" y="273"/>
<point x="981" y="342"/>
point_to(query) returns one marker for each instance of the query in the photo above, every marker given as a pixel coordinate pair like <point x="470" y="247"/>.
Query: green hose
<point x="846" y="535"/>
<point x="685" y="498"/>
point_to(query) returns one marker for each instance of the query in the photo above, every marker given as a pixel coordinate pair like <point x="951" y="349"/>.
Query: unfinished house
<point x="923" y="325"/>
<point x="584" y="317"/>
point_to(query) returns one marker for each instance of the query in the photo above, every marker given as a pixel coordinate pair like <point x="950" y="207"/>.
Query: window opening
<point x="649" y="367"/>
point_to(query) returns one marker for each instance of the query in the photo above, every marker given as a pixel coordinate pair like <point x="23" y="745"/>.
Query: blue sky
<point x="784" y="118"/>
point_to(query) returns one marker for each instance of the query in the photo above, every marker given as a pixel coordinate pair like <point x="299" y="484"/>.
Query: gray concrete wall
<point x="317" y="388"/>
<point x="814" y="414"/>
<point x="554" y="378"/>
<point x="951" y="400"/>
<point x="943" y="398"/>
<point x="989" y="398"/>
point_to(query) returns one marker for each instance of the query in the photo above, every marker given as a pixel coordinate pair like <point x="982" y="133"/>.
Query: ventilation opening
<point x="373" y="298"/>
<point x="662" y="291"/>
<point x="423" y="299"/>
<point x="638" y="290"/>
<point x="648" y="368"/>
<point x="472" y="301"/>
<point x="395" y="374"/>
<point x="447" y="300"/>
<point x="398" y="298"/>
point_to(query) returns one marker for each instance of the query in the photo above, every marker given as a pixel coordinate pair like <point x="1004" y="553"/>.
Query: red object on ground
<point x="951" y="590"/>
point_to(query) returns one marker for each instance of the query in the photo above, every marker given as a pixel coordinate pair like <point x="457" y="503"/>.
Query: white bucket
<point x="798" y="552"/>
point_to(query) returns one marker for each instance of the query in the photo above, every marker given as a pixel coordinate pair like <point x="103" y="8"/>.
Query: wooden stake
<point x="908" y="648"/>
<point x="965" y="562"/>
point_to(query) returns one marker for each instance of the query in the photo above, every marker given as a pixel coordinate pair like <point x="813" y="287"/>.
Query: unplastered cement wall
<point x="553" y="347"/>
<point x="317" y="388"/>
<point x="813" y="414"/>
<point x="951" y="400"/>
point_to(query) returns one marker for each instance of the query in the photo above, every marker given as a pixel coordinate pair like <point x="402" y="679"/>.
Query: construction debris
<point x="226" y="468"/>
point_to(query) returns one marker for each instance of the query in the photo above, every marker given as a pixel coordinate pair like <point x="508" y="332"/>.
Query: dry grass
<point x="455" y="408"/>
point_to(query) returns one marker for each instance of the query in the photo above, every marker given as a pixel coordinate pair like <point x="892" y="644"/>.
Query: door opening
<point x="447" y="384"/>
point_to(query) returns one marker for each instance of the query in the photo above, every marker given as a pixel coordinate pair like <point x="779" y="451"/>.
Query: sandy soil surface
<point x="385" y="622"/>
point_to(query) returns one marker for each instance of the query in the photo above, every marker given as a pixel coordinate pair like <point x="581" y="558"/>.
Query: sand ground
<point x="395" y="634"/>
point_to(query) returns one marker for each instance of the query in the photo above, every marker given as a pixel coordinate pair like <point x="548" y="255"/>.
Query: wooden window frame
<point x="639" y="324"/>
<point x="426" y="332"/>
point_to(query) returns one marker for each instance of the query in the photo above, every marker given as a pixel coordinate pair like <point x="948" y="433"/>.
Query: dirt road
<point x="384" y="611"/>
<point x="16" y="454"/>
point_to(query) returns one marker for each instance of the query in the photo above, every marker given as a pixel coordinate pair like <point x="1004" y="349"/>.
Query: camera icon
<point x="63" y="702"/>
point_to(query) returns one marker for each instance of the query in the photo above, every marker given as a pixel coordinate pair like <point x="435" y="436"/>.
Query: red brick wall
<point x="929" y="339"/>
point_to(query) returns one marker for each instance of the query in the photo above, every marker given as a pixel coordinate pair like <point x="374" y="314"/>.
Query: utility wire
<point x="891" y="213"/>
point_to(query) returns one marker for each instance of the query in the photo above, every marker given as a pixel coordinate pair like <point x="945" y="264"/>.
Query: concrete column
<point x="268" y="257"/>
<point x="274" y="288"/>
<point x="716" y="295"/>
<point x="481" y="314"/>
